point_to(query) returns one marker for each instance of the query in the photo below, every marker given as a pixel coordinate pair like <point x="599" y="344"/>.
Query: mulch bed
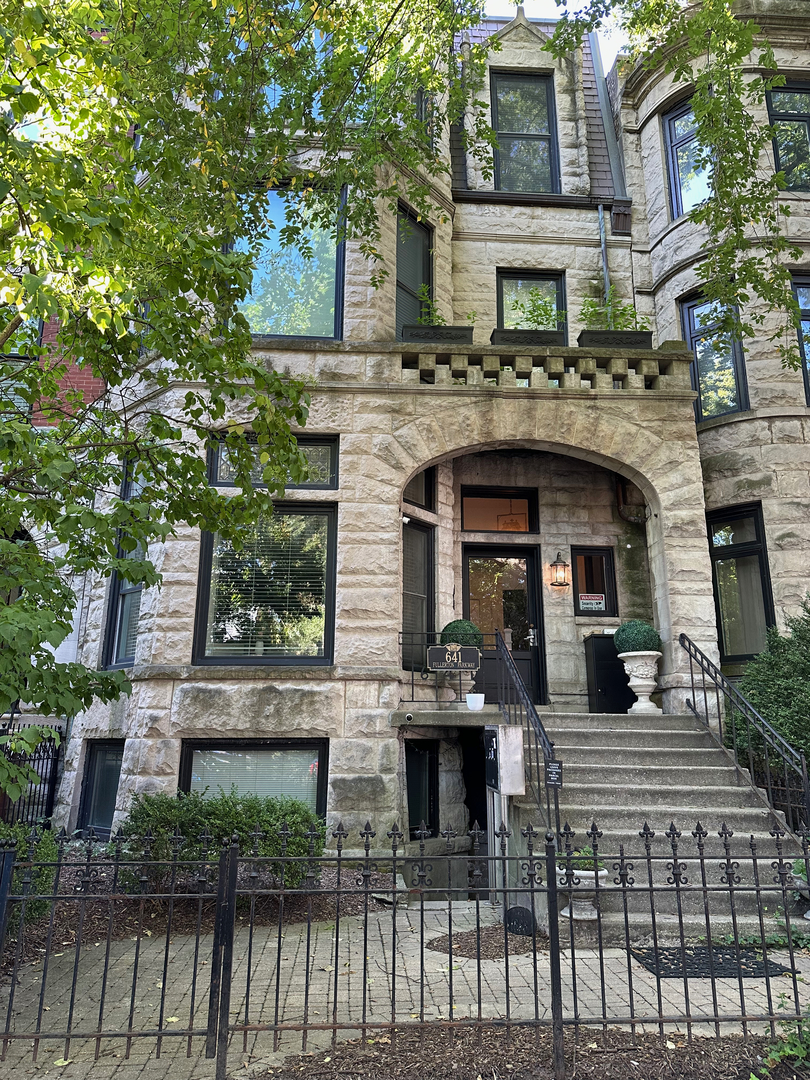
<point x="700" y="962"/>
<point x="492" y="1055"/>
<point x="466" y="944"/>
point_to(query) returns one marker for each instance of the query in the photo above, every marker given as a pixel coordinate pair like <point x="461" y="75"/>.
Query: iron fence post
<point x="557" y="1045"/>
<point x="229" y="920"/>
<point x="216" y="958"/>
<point x="805" y="790"/>
<point x="8" y="850"/>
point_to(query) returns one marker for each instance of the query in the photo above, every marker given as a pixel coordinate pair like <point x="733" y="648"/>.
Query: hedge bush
<point x="45" y="851"/>
<point x="637" y="636"/>
<point x="462" y="632"/>
<point x="189" y="814"/>
<point x="777" y="682"/>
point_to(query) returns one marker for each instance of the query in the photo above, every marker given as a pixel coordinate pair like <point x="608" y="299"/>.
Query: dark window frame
<point x="204" y="596"/>
<point x="403" y="210"/>
<point x="558" y="277"/>
<point x="333" y="441"/>
<point x="413" y="653"/>
<point x="673" y="144"/>
<point x="756" y="547"/>
<point x="688" y="305"/>
<point x="432" y="748"/>
<point x="803" y="281"/>
<point x="91" y="751"/>
<point x="774" y="116"/>
<point x="117" y="591"/>
<point x="430" y="491"/>
<point x="340" y="282"/>
<point x="611" y="593"/>
<point x="476" y="491"/>
<point x="552" y="137"/>
<point x="322" y="745"/>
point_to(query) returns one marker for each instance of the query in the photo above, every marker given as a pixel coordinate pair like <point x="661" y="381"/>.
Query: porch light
<point x="559" y="572"/>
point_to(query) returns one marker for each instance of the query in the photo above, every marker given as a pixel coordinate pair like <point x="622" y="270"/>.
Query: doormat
<point x="724" y="963"/>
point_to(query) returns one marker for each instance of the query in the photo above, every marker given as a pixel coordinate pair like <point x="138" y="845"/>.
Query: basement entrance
<point x="500" y="593"/>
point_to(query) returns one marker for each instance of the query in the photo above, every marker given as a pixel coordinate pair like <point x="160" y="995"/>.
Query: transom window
<point x="689" y="181"/>
<point x="801" y="290"/>
<point x="421" y="489"/>
<point x="523" y="118"/>
<point x="514" y="286"/>
<point x="789" y="110"/>
<point x="272" y="600"/>
<point x="499" y="509"/>
<point x="742" y="591"/>
<point x="321" y="452"/>
<point x="295" y="293"/>
<point x="718" y="370"/>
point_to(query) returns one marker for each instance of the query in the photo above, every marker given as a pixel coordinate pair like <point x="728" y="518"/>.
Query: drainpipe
<point x="603" y="243"/>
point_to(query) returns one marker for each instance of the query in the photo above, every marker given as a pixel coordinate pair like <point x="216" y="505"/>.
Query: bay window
<point x="742" y="592"/>
<point x="789" y="110"/>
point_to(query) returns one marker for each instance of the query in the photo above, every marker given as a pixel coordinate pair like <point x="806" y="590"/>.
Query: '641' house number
<point x="453" y="657"/>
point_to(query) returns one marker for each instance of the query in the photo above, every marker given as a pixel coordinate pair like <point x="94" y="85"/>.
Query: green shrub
<point x="777" y="682"/>
<point x="637" y="636"/>
<point x="45" y="851"/>
<point x="580" y="859"/>
<point x="188" y="815"/>
<point x="462" y="632"/>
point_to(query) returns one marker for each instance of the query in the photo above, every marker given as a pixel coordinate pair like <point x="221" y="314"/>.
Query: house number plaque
<point x="453" y="658"/>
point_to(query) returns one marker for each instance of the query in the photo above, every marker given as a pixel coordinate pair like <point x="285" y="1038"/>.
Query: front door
<point x="500" y="593"/>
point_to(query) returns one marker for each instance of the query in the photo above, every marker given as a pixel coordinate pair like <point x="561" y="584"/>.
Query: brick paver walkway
<point x="374" y="981"/>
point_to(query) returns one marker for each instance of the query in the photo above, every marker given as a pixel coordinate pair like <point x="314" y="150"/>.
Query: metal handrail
<point x="792" y="799"/>
<point x="517" y="708"/>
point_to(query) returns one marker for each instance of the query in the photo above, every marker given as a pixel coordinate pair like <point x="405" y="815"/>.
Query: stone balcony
<point x="483" y="367"/>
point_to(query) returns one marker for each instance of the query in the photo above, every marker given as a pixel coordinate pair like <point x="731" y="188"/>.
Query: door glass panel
<point x="742" y="605"/>
<point x="104" y="772"/>
<point x="499" y="597"/>
<point x="495" y="515"/>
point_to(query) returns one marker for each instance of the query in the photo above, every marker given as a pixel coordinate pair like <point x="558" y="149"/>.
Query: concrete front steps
<point x="625" y="771"/>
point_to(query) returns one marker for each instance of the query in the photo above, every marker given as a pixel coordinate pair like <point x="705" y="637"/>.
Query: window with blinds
<point x="266" y="771"/>
<point x="413" y="267"/>
<point x="417" y="592"/>
<point x="272" y="599"/>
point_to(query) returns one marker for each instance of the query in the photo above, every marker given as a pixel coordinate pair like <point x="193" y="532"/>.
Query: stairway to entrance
<point x="626" y="771"/>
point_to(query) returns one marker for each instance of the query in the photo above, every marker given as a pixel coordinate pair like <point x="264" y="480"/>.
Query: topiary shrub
<point x="462" y="632"/>
<point x="637" y="636"/>
<point x="45" y="851"/>
<point x="777" y="682"/>
<point x="252" y="818"/>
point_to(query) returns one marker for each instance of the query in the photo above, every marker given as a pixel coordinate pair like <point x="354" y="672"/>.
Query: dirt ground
<point x="493" y="1055"/>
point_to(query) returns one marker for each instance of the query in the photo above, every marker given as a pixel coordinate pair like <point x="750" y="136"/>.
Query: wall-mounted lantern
<point x="559" y="572"/>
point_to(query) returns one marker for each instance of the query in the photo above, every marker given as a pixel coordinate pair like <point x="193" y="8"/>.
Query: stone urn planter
<point x="437" y="335"/>
<point x="642" y="668"/>
<point x="581" y="892"/>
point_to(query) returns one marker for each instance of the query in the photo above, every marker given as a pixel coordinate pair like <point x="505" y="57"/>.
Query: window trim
<point x="476" y="491"/>
<point x="756" y="547"/>
<point x="198" y="657"/>
<point x="340" y="283"/>
<point x="687" y="305"/>
<point x="553" y="136"/>
<point x="92" y="746"/>
<point x="672" y="144"/>
<point x="803" y="281"/>
<point x="188" y="747"/>
<point x="433" y="748"/>
<point x="557" y="276"/>
<point x="7" y="356"/>
<point x="611" y="592"/>
<point x="333" y="441"/>
<point x="403" y="210"/>
<point x="774" y="116"/>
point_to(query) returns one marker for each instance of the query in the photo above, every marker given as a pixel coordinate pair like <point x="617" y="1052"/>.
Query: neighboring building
<point x="448" y="478"/>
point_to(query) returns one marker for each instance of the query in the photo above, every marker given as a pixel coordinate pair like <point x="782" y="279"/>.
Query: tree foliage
<point x="138" y="142"/>
<point x="708" y="47"/>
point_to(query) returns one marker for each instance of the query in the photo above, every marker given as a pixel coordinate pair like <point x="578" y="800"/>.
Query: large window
<point x="295" y="768"/>
<point x="742" y="592"/>
<point x="801" y="289"/>
<point x="295" y="294"/>
<point x="124" y="608"/>
<point x="789" y="110"/>
<point x="272" y="599"/>
<point x="718" y="371"/>
<point x="417" y="592"/>
<point x="523" y="118"/>
<point x="514" y="287"/>
<point x="102" y="772"/>
<point x="594" y="582"/>
<point x="688" y="180"/>
<point x="321" y="452"/>
<point x="414" y="242"/>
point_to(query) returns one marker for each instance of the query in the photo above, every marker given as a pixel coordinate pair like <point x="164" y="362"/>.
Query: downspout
<point x="603" y="243"/>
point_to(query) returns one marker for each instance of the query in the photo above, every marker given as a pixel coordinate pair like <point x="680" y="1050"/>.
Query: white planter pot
<point x="642" y="667"/>
<point x="475" y="702"/>
<point x="582" y="895"/>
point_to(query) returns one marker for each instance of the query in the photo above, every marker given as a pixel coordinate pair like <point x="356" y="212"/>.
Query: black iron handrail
<point x="773" y="764"/>
<point x="517" y="708"/>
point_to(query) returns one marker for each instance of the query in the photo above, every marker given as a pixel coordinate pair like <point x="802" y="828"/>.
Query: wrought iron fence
<point x="37" y="801"/>
<point x="165" y="946"/>
<point x="774" y="766"/>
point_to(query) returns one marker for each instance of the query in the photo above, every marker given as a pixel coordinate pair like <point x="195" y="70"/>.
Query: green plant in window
<point x="538" y="311"/>
<point x="611" y="314"/>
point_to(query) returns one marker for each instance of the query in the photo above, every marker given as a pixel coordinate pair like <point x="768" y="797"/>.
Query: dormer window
<point x="523" y="117"/>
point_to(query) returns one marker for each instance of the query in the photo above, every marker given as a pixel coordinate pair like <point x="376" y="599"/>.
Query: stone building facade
<point x="451" y="476"/>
